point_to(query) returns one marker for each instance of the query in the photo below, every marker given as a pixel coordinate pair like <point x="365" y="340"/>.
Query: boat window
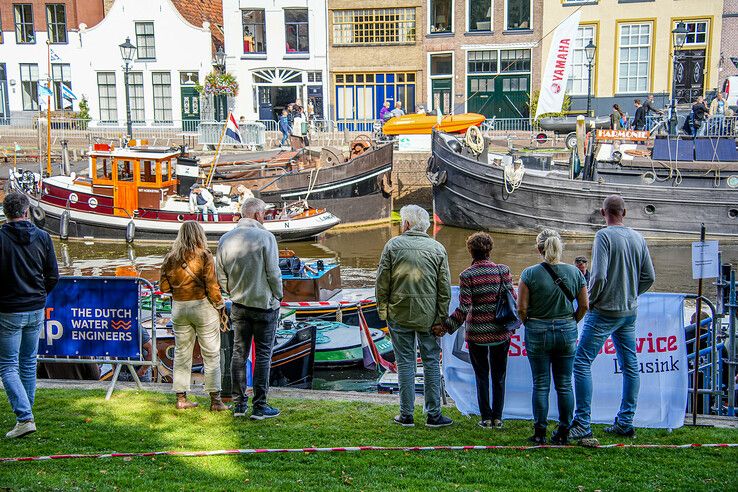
<point x="103" y="168"/>
<point x="148" y="172"/>
<point x="125" y="170"/>
<point x="165" y="168"/>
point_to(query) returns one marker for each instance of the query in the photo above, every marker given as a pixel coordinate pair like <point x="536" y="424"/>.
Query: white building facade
<point x="277" y="49"/>
<point x="172" y="57"/>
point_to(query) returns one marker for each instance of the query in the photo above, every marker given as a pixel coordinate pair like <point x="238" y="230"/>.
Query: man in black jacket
<point x="639" y="120"/>
<point x="29" y="272"/>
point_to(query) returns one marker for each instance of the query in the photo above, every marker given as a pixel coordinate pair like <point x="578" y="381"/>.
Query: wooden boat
<point x="134" y="194"/>
<point x="468" y="192"/>
<point x="422" y="124"/>
<point x="358" y="185"/>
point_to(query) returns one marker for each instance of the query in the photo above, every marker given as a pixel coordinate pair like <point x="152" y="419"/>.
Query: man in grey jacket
<point x="621" y="271"/>
<point x="247" y="265"/>
<point x="413" y="294"/>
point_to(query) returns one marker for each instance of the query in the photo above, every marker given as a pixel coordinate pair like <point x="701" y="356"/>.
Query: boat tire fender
<point x="430" y="167"/>
<point x="64" y="226"/>
<point x="39" y="216"/>
<point x="130" y="231"/>
<point x="437" y="178"/>
<point x="571" y="140"/>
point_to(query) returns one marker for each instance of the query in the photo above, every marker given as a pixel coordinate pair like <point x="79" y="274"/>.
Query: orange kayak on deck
<point x="421" y="124"/>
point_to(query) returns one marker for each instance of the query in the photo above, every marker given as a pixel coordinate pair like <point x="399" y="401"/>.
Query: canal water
<point x="358" y="252"/>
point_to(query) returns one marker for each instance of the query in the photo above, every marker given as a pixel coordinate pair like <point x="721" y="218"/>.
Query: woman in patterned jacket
<point x="480" y="286"/>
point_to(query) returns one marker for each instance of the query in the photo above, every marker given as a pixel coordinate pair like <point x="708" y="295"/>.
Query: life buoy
<point x="64" y="226"/>
<point x="39" y="216"/>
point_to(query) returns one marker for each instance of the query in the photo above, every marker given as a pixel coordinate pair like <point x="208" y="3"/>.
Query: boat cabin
<point x="136" y="177"/>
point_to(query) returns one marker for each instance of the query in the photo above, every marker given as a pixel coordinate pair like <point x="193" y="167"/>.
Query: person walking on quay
<point x="650" y="106"/>
<point x="545" y="304"/>
<point x="188" y="272"/>
<point x="398" y="110"/>
<point x="639" y="120"/>
<point x="284" y="127"/>
<point x="248" y="271"/>
<point x="618" y="119"/>
<point x="29" y="272"/>
<point x="385" y="112"/>
<point x="413" y="293"/>
<point x="700" y="114"/>
<point x="581" y="263"/>
<point x="621" y="271"/>
<point x="480" y="287"/>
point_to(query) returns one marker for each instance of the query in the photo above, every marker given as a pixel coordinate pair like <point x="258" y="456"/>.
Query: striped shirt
<point x="480" y="286"/>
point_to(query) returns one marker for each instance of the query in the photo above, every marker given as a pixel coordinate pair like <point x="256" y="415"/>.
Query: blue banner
<point x="92" y="317"/>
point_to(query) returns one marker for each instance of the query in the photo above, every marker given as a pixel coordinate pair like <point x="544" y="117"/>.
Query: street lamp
<point x="220" y="59"/>
<point x="127" y="50"/>
<point x="589" y="51"/>
<point x="679" y="35"/>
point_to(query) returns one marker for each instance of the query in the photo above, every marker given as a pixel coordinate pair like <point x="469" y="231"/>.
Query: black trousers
<point x="490" y="361"/>
<point x="261" y="327"/>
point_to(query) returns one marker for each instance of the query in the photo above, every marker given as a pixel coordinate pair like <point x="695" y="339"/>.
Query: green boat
<point x="339" y="344"/>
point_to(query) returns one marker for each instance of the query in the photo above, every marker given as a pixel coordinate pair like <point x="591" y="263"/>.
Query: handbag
<point x="560" y="284"/>
<point x="222" y="315"/>
<point x="506" y="312"/>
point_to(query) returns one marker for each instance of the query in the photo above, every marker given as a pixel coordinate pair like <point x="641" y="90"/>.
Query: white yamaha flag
<point x="558" y="66"/>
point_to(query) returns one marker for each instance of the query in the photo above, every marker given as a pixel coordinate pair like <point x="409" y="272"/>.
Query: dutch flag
<point x="232" y="128"/>
<point x="67" y="93"/>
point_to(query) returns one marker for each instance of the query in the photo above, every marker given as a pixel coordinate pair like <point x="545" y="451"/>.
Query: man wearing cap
<point x="202" y="200"/>
<point x="581" y="263"/>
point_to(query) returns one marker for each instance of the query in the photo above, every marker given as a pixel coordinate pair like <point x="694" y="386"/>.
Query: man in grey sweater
<point x="621" y="271"/>
<point x="247" y="265"/>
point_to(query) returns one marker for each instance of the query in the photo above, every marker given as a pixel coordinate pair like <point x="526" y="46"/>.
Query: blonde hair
<point x="190" y="240"/>
<point x="550" y="246"/>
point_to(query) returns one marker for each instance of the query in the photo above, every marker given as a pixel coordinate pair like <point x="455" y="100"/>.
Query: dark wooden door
<point x="689" y="75"/>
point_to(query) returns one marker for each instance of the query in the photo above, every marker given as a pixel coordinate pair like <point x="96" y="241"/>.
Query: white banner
<point x="558" y="66"/>
<point x="662" y="358"/>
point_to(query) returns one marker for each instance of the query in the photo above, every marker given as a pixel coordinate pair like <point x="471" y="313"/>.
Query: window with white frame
<point x="578" y="82"/>
<point x="315" y="77"/>
<point x="482" y="61"/>
<point x="61" y="73"/>
<point x="517" y="14"/>
<point x="696" y="33"/>
<point x="441" y="75"/>
<point x="29" y="86"/>
<point x="162" y="88"/>
<point x="480" y="15"/>
<point x="634" y="57"/>
<point x="254" y="31"/>
<point x="296" y="30"/>
<point x="106" y="97"/>
<point x="440" y="16"/>
<point x="145" y="45"/>
<point x="136" y="96"/>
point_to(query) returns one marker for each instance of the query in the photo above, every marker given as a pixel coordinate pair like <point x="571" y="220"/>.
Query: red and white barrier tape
<point x="349" y="450"/>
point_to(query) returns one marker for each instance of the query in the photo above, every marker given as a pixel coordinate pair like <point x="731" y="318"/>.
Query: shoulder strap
<point x="558" y="281"/>
<point x="194" y="277"/>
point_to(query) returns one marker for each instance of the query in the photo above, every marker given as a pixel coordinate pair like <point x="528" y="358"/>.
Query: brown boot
<point x="183" y="403"/>
<point x="216" y="404"/>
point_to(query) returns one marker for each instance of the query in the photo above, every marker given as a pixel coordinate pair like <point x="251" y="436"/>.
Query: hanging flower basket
<point x="218" y="84"/>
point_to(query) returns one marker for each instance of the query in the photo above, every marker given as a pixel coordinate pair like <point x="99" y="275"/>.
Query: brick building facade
<point x="728" y="41"/>
<point x="375" y="53"/>
<point x="482" y="56"/>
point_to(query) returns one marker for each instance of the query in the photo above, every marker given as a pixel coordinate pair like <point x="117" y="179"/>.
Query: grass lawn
<point x="75" y="421"/>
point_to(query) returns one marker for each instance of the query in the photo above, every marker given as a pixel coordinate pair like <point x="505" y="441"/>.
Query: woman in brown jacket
<point x="188" y="272"/>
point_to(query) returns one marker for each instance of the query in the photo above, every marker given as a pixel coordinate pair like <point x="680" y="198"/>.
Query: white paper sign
<point x="705" y="260"/>
<point x="414" y="143"/>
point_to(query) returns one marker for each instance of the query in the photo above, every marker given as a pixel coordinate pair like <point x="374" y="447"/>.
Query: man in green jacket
<point x="413" y="294"/>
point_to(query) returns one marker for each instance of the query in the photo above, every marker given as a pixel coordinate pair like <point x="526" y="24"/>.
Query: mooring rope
<point x="222" y="452"/>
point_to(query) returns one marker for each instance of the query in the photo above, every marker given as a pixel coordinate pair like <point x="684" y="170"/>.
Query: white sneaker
<point x="21" y="429"/>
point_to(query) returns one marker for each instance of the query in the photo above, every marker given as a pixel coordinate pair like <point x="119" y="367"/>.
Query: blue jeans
<point x="594" y="333"/>
<point x="19" y="334"/>
<point x="285" y="137"/>
<point x="405" y="342"/>
<point x="551" y="345"/>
